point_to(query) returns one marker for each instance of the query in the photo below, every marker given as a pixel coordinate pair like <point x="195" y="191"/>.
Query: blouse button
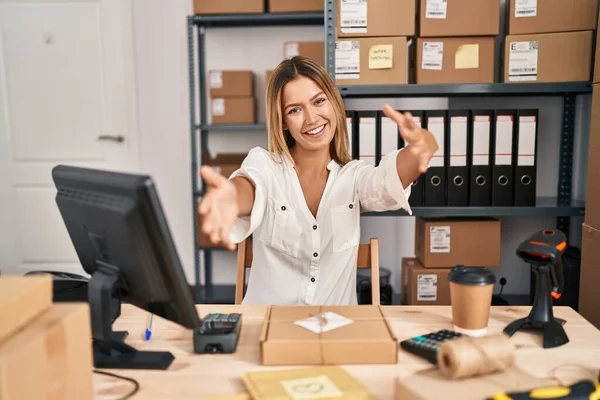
<point x="315" y="254"/>
<point x="314" y="227"/>
<point x="351" y="206"/>
<point x="283" y="208"/>
<point x="312" y="279"/>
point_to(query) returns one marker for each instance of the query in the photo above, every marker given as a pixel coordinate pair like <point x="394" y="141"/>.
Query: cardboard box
<point x="447" y="242"/>
<point x="314" y="50"/>
<point x="590" y="275"/>
<point x="422" y="286"/>
<point x="431" y="384"/>
<point x="233" y="110"/>
<point x="372" y="61"/>
<point x="375" y="18"/>
<point x="455" y="60"/>
<point x="231" y="83"/>
<point x="51" y="358"/>
<point x="22" y="299"/>
<point x="279" y="6"/>
<point x="548" y="57"/>
<point x="229" y="6"/>
<point x="592" y="210"/>
<point x="552" y="16"/>
<point x="368" y="339"/>
<point x="459" y="18"/>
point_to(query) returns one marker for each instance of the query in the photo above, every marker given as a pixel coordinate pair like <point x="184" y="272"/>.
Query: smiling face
<point x="308" y="114"/>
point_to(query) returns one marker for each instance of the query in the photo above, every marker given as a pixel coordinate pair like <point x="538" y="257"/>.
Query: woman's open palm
<point x="218" y="207"/>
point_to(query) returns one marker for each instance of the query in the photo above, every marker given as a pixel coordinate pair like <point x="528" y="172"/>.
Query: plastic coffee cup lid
<point x="475" y="276"/>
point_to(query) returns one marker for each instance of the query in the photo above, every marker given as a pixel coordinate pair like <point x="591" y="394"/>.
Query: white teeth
<point x="316" y="130"/>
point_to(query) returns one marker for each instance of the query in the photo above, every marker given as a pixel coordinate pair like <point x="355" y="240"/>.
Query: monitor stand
<point x="110" y="350"/>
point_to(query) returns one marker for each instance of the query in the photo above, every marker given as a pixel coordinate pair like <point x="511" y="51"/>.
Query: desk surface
<point x="194" y="376"/>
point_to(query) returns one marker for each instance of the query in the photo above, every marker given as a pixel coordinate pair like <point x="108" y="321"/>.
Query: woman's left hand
<point x="419" y="141"/>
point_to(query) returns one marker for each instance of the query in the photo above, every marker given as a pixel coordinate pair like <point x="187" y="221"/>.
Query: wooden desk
<point x="194" y="376"/>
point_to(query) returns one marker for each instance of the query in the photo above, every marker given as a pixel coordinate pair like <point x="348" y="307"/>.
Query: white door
<point x="67" y="91"/>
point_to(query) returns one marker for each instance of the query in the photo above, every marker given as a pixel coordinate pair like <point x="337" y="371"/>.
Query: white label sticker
<point x="218" y="107"/>
<point x="291" y="50"/>
<point x="504" y="138"/>
<point x="426" y="287"/>
<point x="324" y="322"/>
<point x="526" y="152"/>
<point x="433" y="53"/>
<point x="525" y="8"/>
<point x="313" y="387"/>
<point x="353" y="16"/>
<point x="347" y="59"/>
<point x="523" y="61"/>
<point x="481" y="140"/>
<point x="436" y="9"/>
<point x="435" y="125"/>
<point x="216" y="79"/>
<point x="458" y="141"/>
<point x="439" y="239"/>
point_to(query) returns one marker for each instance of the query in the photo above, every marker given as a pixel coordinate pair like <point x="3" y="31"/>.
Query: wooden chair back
<point x="368" y="257"/>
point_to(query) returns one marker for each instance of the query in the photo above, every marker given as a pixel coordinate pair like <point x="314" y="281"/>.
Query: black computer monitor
<point x="121" y="236"/>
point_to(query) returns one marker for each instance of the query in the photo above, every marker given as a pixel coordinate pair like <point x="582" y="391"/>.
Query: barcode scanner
<point x="543" y="251"/>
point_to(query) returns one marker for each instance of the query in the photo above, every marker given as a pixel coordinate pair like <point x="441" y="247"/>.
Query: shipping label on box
<point x="353" y="16"/>
<point x="436" y="9"/>
<point x="426" y="287"/>
<point x="523" y="61"/>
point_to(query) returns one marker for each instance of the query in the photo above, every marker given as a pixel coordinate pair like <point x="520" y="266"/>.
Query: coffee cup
<point x="471" y="291"/>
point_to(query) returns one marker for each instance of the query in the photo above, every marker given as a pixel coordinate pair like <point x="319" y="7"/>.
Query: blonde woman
<point x="301" y="199"/>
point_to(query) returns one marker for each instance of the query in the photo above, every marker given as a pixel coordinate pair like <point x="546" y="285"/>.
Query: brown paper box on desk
<point x="431" y="384"/>
<point x="51" y="358"/>
<point x="424" y="286"/>
<point x="296" y="335"/>
<point x="22" y="298"/>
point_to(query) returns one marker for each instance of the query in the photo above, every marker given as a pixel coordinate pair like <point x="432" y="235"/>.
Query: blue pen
<point x="149" y="327"/>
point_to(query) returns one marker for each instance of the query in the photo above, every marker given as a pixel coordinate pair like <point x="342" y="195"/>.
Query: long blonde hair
<point x="280" y="140"/>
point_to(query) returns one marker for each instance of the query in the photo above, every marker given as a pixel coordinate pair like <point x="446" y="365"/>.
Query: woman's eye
<point x="293" y="110"/>
<point x="319" y="101"/>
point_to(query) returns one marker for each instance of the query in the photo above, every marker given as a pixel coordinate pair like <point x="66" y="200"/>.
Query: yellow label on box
<point x="314" y="387"/>
<point x="467" y="56"/>
<point x="381" y="56"/>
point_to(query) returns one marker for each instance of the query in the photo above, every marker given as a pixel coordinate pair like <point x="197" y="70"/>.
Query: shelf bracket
<point x="330" y="35"/>
<point x="565" y="172"/>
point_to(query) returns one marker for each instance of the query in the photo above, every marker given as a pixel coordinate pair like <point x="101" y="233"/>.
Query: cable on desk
<point x="135" y="383"/>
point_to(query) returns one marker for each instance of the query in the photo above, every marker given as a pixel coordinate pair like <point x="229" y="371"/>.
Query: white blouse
<point x="299" y="259"/>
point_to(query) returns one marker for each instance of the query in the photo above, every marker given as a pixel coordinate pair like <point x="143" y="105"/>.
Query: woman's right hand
<point x="218" y="207"/>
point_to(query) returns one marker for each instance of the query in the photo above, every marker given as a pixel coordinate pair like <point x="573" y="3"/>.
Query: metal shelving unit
<point x="563" y="207"/>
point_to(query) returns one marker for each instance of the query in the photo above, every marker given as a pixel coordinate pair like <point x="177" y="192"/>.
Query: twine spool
<point x="472" y="356"/>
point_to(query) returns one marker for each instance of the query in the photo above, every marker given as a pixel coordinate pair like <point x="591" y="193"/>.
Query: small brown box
<point x="549" y="16"/>
<point x="459" y="18"/>
<point x="229" y="6"/>
<point x="22" y="299"/>
<point x="455" y="60"/>
<point x="548" y="57"/>
<point x="376" y="18"/>
<point x="447" y="242"/>
<point x="53" y="352"/>
<point x="231" y="83"/>
<point x="372" y="61"/>
<point x="422" y="286"/>
<point x="590" y="275"/>
<point x="314" y="50"/>
<point x="283" y="6"/>
<point x="233" y="110"/>
<point x="367" y="339"/>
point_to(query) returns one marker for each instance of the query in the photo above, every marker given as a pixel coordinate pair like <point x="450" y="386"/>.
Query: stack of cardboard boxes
<point x="232" y="97"/>
<point x="45" y="348"/>
<point x="590" y="246"/>
<point x="440" y="244"/>
<point x="372" y="46"/>
<point x="456" y="41"/>
<point x="549" y="41"/>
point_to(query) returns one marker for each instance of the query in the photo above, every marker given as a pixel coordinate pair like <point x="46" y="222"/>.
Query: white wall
<point x="162" y="80"/>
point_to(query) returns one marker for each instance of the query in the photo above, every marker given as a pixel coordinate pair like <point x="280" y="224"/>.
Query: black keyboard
<point x="427" y="346"/>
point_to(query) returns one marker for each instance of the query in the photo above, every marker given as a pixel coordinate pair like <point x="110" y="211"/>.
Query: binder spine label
<point x="481" y="140"/>
<point x="523" y="61"/>
<point x="439" y="239"/>
<point x="389" y="136"/>
<point x="504" y="136"/>
<point x="426" y="287"/>
<point x="436" y="9"/>
<point x="347" y="59"/>
<point x="353" y="16"/>
<point x="366" y="143"/>
<point x="436" y="127"/>
<point x="458" y="141"/>
<point x="526" y="151"/>
<point x="433" y="53"/>
<point x="525" y="8"/>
